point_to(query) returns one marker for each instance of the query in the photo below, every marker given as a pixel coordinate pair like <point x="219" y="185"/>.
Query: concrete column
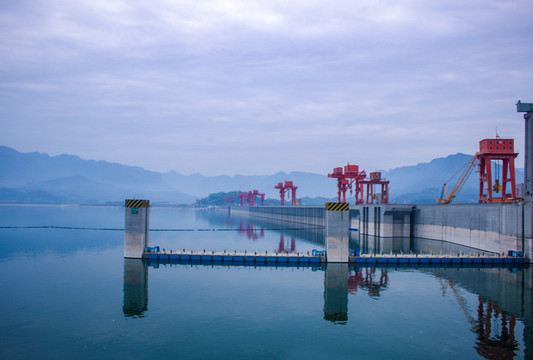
<point x="135" y="287"/>
<point x="336" y="293"/>
<point x="528" y="188"/>
<point x="528" y="231"/>
<point x="528" y="180"/>
<point x="337" y="232"/>
<point x="136" y="234"/>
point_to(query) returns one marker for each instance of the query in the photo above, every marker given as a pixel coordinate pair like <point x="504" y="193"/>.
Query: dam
<point x="499" y="226"/>
<point x="495" y="228"/>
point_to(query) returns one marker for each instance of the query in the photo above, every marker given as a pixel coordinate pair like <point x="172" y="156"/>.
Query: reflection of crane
<point x="373" y="286"/>
<point x="284" y="249"/>
<point x="249" y="231"/>
<point x="490" y="344"/>
<point x="447" y="197"/>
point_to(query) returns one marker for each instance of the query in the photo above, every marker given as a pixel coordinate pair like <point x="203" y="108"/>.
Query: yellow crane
<point x="447" y="197"/>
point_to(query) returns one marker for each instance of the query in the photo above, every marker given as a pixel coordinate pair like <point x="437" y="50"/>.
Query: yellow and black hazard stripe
<point x="134" y="203"/>
<point x="337" y="206"/>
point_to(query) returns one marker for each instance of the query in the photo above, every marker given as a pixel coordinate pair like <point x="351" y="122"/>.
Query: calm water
<point x="67" y="292"/>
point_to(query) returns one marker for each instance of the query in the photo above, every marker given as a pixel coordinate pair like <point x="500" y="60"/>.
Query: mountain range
<point x="40" y="178"/>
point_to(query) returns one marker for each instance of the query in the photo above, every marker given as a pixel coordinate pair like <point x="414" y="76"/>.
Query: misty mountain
<point x="35" y="177"/>
<point x="67" y="178"/>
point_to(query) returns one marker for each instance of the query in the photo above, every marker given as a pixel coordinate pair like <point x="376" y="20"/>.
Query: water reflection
<point x="285" y="247"/>
<point x="503" y="296"/>
<point x="250" y="231"/>
<point x="370" y="279"/>
<point x="494" y="331"/>
<point x="336" y="293"/>
<point x="304" y="237"/>
<point x="398" y="245"/>
<point x="135" y="288"/>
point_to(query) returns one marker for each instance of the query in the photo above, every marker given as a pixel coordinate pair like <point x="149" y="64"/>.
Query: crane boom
<point x="447" y="197"/>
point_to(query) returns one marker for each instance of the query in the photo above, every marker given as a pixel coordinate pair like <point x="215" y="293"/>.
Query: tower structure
<point x="242" y="196"/>
<point x="376" y="180"/>
<point x="346" y="179"/>
<point x="342" y="183"/>
<point x="527" y="108"/>
<point x="286" y="187"/>
<point x="497" y="149"/>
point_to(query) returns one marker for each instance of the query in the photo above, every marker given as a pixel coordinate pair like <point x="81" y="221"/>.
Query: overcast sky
<point x="257" y="87"/>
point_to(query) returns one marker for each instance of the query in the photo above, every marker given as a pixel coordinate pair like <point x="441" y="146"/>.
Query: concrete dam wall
<point x="309" y="215"/>
<point x="496" y="228"/>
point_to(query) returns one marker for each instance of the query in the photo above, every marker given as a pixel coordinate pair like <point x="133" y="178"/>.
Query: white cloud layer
<point x="255" y="87"/>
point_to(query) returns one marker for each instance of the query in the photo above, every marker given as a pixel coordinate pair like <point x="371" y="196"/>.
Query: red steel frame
<point x="375" y="179"/>
<point x="250" y="196"/>
<point x="285" y="187"/>
<point x="346" y="179"/>
<point x="496" y="150"/>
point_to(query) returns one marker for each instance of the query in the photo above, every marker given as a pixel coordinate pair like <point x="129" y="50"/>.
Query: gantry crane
<point x="346" y="179"/>
<point x="286" y="187"/>
<point x="490" y="150"/>
<point x="250" y="196"/>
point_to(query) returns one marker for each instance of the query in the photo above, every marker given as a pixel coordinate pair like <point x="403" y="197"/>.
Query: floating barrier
<point x="155" y="254"/>
<point x="437" y="260"/>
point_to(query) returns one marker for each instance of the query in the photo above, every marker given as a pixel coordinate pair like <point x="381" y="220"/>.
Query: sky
<point x="256" y="87"/>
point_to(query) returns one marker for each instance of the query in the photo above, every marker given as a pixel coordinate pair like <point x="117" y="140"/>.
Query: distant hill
<point x="67" y="178"/>
<point x="35" y="177"/>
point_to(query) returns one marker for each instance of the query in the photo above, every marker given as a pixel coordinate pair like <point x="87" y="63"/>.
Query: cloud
<point x="213" y="86"/>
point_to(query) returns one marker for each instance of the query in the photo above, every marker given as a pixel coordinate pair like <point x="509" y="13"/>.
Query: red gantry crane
<point x="376" y="180"/>
<point x="242" y="196"/>
<point x="286" y="187"/>
<point x="497" y="149"/>
<point x="345" y="181"/>
<point x="250" y="197"/>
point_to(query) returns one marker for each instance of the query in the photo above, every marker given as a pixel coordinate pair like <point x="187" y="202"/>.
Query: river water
<point x="67" y="292"/>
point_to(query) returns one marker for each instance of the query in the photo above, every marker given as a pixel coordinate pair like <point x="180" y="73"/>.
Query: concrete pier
<point x="528" y="177"/>
<point x="337" y="232"/>
<point x="136" y="228"/>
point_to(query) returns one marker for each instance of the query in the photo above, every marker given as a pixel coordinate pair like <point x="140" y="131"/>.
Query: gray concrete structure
<point x="136" y="228"/>
<point x="528" y="176"/>
<point x="309" y="215"/>
<point x="490" y="227"/>
<point x="384" y="220"/>
<point x="337" y="234"/>
<point x="528" y="117"/>
<point x="494" y="228"/>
